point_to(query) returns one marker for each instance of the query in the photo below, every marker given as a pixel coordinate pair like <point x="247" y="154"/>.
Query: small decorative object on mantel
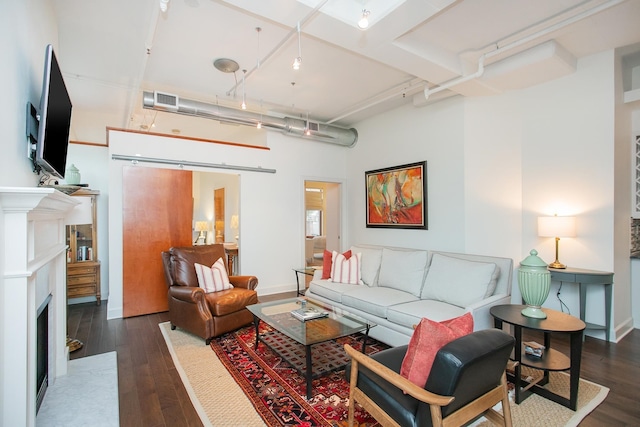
<point x="72" y="176"/>
<point x="534" y="281"/>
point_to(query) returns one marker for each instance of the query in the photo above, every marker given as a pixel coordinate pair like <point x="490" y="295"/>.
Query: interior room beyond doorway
<point x="321" y="220"/>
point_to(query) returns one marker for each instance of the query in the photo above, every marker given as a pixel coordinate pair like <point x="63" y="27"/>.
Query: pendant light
<point x="298" y="61"/>
<point x="363" y="23"/>
<point x="244" y="104"/>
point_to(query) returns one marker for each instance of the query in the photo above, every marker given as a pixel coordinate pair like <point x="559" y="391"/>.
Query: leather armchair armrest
<point x="188" y="294"/>
<point x="247" y="282"/>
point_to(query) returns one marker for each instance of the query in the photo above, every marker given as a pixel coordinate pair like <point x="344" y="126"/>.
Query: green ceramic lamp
<point x="534" y="281"/>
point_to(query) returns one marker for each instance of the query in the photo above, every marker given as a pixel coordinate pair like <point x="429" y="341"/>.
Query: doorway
<point x="321" y="220"/>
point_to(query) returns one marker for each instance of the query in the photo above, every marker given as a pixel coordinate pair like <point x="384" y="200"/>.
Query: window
<point x="314" y="222"/>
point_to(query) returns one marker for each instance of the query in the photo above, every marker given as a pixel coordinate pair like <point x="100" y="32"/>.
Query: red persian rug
<point x="278" y="391"/>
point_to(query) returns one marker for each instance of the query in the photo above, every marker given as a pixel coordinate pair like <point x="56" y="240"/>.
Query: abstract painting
<point x="397" y="196"/>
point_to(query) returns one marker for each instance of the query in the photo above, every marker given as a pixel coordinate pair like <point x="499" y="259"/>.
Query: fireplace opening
<point x="42" y="352"/>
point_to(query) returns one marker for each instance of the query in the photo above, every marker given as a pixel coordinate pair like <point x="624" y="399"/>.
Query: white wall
<point x="271" y="205"/>
<point x="408" y="135"/>
<point x="497" y="163"/>
<point x="26" y="27"/>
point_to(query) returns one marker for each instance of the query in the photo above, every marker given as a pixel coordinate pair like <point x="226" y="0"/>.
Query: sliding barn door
<point x="157" y="214"/>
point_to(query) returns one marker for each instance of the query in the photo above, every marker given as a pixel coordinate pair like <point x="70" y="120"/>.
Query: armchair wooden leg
<point x="506" y="408"/>
<point x="353" y="382"/>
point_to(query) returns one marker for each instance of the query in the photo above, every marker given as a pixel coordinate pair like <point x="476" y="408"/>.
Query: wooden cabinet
<point x="83" y="267"/>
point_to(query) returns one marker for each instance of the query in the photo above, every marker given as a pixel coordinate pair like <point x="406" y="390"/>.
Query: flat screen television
<point x="52" y="142"/>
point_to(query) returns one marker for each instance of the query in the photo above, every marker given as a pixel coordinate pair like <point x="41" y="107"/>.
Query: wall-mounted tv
<point x="50" y="155"/>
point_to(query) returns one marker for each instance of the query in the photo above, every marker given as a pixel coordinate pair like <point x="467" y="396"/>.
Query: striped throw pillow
<point x="346" y="270"/>
<point x="214" y="278"/>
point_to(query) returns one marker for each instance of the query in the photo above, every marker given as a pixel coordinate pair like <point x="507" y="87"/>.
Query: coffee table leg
<point x="364" y="340"/>
<point x="256" y="322"/>
<point x="309" y="371"/>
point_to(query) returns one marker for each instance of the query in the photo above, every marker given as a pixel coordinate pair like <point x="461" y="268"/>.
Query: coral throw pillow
<point x="427" y="339"/>
<point x="214" y="278"/>
<point x="327" y="261"/>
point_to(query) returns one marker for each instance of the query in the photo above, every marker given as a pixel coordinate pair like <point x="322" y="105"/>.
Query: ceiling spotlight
<point x="363" y="23"/>
<point x="296" y="63"/>
<point x="259" y="125"/>
<point x="164" y="5"/>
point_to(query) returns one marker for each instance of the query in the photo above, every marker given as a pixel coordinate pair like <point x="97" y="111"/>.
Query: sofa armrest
<point x="188" y="294"/>
<point x="481" y="316"/>
<point x="247" y="282"/>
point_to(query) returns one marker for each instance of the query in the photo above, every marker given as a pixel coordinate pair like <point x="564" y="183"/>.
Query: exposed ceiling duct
<point x="287" y="125"/>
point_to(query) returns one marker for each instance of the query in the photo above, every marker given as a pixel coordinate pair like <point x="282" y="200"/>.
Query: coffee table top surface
<point x="339" y="323"/>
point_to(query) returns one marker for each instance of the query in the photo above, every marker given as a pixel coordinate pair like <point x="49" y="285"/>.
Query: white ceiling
<point x="111" y="51"/>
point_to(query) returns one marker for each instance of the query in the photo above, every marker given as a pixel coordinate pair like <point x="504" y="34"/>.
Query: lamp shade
<point x="557" y="226"/>
<point x="202" y="226"/>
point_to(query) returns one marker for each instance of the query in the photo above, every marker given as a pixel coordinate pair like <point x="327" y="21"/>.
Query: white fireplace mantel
<point x="33" y="265"/>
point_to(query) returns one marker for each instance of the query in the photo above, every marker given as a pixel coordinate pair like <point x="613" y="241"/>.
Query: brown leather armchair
<point x="207" y="315"/>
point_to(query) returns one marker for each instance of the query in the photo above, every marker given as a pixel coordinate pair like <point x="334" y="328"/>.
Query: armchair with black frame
<point x="466" y="381"/>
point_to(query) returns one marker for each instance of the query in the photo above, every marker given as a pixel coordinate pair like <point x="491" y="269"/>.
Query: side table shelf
<point x="551" y="360"/>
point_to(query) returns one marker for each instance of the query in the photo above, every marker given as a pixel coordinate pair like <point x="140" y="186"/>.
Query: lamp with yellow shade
<point x="557" y="226"/>
<point x="201" y="227"/>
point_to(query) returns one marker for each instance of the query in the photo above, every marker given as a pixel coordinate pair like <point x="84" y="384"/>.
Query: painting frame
<point x="409" y="183"/>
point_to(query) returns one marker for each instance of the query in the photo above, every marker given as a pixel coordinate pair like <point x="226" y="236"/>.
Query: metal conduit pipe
<point x="512" y="45"/>
<point x="287" y="125"/>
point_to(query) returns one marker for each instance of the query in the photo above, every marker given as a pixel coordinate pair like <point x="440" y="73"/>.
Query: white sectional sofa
<point x="400" y="286"/>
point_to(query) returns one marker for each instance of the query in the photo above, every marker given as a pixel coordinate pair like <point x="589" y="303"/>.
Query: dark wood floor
<point x="151" y="393"/>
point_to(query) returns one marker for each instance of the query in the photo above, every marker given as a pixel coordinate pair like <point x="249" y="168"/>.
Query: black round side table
<point x="551" y="360"/>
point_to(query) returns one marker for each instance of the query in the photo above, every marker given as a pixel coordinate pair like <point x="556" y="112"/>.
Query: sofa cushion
<point x="370" y="266"/>
<point x="214" y="278"/>
<point x="330" y="290"/>
<point x="375" y="300"/>
<point x="346" y="270"/>
<point x="409" y="314"/>
<point x="403" y="270"/>
<point x="459" y="282"/>
<point x="427" y="339"/>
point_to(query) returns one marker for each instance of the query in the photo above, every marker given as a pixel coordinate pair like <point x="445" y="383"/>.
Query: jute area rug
<point x="220" y="401"/>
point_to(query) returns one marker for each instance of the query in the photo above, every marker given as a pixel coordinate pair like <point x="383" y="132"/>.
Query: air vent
<point x="313" y="126"/>
<point x="166" y="100"/>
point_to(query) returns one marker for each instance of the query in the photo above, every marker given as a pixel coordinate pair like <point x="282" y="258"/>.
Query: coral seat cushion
<point x="327" y="262"/>
<point x="427" y="339"/>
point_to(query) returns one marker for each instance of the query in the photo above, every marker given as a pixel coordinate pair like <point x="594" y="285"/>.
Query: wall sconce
<point x="557" y="226"/>
<point x="201" y="227"/>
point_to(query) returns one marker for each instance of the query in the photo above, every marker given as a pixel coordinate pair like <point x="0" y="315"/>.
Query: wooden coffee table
<point x="552" y="360"/>
<point x="293" y="339"/>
